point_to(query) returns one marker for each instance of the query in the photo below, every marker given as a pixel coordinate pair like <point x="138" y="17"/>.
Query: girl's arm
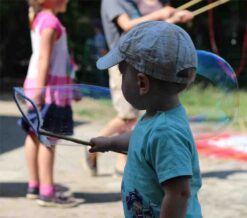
<point x="115" y="143"/>
<point x="48" y="38"/>
<point x="177" y="193"/>
<point x="126" y="23"/>
<point x="182" y="16"/>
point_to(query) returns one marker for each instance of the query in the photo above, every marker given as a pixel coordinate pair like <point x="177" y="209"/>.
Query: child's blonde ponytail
<point x="34" y="8"/>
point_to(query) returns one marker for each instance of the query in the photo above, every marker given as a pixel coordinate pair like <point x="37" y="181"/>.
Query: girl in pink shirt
<point x="48" y="66"/>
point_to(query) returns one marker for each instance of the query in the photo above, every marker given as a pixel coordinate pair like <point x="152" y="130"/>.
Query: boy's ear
<point x="143" y="83"/>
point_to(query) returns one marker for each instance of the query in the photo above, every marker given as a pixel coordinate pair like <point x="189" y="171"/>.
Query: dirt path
<point x="223" y="195"/>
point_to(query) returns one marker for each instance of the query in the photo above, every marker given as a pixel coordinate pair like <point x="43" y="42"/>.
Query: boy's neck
<point x="159" y="104"/>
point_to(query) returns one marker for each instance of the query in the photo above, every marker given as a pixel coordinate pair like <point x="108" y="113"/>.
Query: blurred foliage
<point x="15" y="46"/>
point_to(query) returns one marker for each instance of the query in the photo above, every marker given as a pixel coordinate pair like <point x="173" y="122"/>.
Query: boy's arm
<point x="177" y="193"/>
<point x="115" y="143"/>
<point x="126" y="23"/>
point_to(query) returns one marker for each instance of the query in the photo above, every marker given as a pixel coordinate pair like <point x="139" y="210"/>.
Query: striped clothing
<point x="58" y="70"/>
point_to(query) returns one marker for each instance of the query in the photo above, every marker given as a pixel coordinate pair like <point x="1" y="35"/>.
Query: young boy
<point x="157" y="61"/>
<point x="118" y="17"/>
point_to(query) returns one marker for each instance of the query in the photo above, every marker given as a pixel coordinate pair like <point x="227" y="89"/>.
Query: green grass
<point x="94" y="110"/>
<point x="242" y="104"/>
<point x="215" y="105"/>
<point x="209" y="101"/>
<point x="197" y="100"/>
<point x="218" y="106"/>
<point x="240" y="121"/>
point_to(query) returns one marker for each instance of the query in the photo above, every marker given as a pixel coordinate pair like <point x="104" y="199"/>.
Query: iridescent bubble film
<point x="212" y="101"/>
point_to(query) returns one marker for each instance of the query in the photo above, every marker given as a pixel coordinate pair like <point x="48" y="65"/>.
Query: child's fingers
<point x="92" y="150"/>
<point x="99" y="144"/>
<point x="97" y="149"/>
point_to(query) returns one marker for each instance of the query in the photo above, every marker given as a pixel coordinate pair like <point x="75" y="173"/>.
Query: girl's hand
<point x="185" y="16"/>
<point x="77" y="96"/>
<point x="39" y="98"/>
<point x="166" y="12"/>
<point x="100" y="144"/>
<point x="181" y="17"/>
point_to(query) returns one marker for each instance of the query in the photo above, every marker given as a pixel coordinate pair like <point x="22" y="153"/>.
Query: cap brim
<point x="111" y="59"/>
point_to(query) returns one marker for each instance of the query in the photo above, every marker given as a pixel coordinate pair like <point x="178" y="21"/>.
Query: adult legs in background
<point x="123" y="122"/>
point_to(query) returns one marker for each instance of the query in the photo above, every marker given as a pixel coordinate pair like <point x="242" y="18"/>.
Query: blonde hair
<point x="35" y="6"/>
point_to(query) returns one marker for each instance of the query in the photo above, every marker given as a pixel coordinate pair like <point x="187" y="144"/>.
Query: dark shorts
<point x="56" y="119"/>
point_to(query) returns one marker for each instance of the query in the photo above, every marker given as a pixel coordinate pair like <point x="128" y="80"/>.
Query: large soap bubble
<point x="211" y="104"/>
<point x="212" y="101"/>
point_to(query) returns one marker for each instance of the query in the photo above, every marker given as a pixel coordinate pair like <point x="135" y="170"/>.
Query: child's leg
<point x="111" y="128"/>
<point x="115" y="126"/>
<point x="48" y="196"/>
<point x="120" y="164"/>
<point x="46" y="163"/>
<point x="118" y="126"/>
<point x="31" y="152"/>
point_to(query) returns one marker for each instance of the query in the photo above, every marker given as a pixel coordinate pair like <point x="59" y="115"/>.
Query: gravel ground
<point x="223" y="195"/>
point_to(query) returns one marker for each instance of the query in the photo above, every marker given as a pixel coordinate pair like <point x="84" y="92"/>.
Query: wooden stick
<point x="67" y="138"/>
<point x="188" y="4"/>
<point x="208" y="7"/>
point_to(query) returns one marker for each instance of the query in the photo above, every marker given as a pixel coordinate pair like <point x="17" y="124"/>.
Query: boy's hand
<point x="100" y="144"/>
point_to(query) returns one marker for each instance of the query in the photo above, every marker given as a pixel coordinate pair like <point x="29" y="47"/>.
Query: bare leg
<point x="46" y="163"/>
<point x="120" y="164"/>
<point x="31" y="152"/>
<point x="115" y="126"/>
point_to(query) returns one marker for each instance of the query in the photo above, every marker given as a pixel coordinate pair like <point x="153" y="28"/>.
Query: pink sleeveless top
<point x="58" y="71"/>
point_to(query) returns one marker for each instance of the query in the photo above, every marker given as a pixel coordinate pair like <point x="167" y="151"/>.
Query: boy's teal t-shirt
<point x="160" y="148"/>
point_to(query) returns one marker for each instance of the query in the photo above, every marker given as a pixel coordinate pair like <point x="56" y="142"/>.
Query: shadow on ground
<point x="11" y="135"/>
<point x="18" y="189"/>
<point x="93" y="198"/>
<point x="12" y="190"/>
<point x="222" y="174"/>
